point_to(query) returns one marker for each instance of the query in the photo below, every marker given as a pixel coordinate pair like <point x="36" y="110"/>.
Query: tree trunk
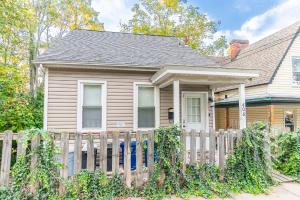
<point x="33" y="70"/>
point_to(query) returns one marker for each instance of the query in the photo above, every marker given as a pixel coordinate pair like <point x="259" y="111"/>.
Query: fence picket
<point x="150" y="151"/>
<point x="202" y="147"/>
<point x="90" y="153"/>
<point x="193" y="147"/>
<point x="103" y="151"/>
<point x="78" y="153"/>
<point x="221" y="153"/>
<point x="127" y="159"/>
<point x="139" y="158"/>
<point x="20" y="147"/>
<point x="6" y="158"/>
<point x="115" y="152"/>
<point x="34" y="144"/>
<point x="183" y="141"/>
<point x="212" y="147"/>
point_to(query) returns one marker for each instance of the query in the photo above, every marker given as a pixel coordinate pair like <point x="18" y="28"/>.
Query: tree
<point x="176" y="18"/>
<point x="14" y="21"/>
<point x="52" y="20"/>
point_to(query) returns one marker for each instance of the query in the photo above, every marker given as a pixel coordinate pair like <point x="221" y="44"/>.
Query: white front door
<point x="195" y="111"/>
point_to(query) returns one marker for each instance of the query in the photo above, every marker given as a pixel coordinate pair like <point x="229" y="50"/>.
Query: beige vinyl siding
<point x="62" y="96"/>
<point x="254" y="114"/>
<point x="251" y="92"/>
<point x="282" y="82"/>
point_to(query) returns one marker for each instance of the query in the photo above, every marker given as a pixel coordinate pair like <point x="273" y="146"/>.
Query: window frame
<point x="136" y="85"/>
<point x="81" y="84"/>
<point x="294" y="83"/>
<point x="294" y="112"/>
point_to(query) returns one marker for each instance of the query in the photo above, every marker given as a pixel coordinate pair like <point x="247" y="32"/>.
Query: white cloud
<point x="274" y="19"/>
<point x="112" y="12"/>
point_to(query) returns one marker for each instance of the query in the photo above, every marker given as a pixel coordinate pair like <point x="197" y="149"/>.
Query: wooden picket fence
<point x="200" y="147"/>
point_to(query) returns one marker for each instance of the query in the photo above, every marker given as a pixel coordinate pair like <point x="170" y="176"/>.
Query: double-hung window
<point x="296" y="70"/>
<point x="145" y="106"/>
<point x="92" y="105"/>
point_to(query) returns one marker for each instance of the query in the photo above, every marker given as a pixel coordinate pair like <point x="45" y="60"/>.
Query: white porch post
<point x="176" y="101"/>
<point x="242" y="107"/>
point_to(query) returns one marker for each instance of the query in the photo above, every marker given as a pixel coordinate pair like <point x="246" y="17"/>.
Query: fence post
<point x="202" y="147"/>
<point x="103" y="151"/>
<point x="150" y="151"/>
<point x="64" y="159"/>
<point x="193" y="147"/>
<point x="212" y="147"/>
<point x="78" y="153"/>
<point x="6" y="158"/>
<point x="90" y="153"/>
<point x="127" y="159"/>
<point x="139" y="158"/>
<point x="115" y="152"/>
<point x="221" y="153"/>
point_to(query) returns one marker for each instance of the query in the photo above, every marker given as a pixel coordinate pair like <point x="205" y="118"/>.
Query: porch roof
<point x="212" y="76"/>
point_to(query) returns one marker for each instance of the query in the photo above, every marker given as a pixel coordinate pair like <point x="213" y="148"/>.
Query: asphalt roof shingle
<point x="114" y="48"/>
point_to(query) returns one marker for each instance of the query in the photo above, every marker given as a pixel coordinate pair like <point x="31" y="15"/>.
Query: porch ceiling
<point x="212" y="76"/>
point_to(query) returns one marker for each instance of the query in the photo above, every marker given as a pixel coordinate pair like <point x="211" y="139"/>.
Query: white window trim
<point x="294" y="83"/>
<point x="80" y="102"/>
<point x="135" y="105"/>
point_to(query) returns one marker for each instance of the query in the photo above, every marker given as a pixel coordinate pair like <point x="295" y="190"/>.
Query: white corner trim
<point x="80" y="101"/>
<point x="135" y="105"/>
<point x="45" y="121"/>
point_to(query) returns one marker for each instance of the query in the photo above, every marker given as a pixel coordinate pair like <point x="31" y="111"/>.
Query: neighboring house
<point x="273" y="97"/>
<point x="104" y="81"/>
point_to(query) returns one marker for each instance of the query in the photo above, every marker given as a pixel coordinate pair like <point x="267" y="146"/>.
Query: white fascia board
<point x="205" y="72"/>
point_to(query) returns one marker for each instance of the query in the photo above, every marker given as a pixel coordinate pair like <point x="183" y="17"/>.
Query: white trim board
<point x="45" y="120"/>
<point x="80" y="101"/>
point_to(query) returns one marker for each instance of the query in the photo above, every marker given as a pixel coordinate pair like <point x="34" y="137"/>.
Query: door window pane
<point x="92" y="106"/>
<point x="146" y="108"/>
<point x="193" y="109"/>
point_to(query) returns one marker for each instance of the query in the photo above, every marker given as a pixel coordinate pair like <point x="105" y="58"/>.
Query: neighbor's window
<point x="289" y="120"/>
<point x="146" y="107"/>
<point x="92" y="106"/>
<point x="296" y="69"/>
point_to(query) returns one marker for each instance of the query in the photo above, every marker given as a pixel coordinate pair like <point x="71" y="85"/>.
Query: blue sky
<point x="240" y="19"/>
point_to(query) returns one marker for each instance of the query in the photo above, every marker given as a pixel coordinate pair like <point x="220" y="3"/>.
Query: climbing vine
<point x="247" y="169"/>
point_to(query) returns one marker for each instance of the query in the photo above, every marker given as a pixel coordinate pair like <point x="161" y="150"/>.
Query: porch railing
<point x="115" y="152"/>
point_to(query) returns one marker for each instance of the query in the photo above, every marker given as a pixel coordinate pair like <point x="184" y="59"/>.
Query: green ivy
<point x="247" y="168"/>
<point x="286" y="150"/>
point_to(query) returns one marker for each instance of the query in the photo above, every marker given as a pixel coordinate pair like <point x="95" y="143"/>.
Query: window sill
<point x="90" y="130"/>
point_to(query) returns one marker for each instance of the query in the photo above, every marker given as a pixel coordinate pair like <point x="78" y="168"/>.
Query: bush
<point x="19" y="110"/>
<point x="247" y="169"/>
<point x="286" y="149"/>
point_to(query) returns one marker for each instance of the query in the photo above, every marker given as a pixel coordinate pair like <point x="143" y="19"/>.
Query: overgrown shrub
<point x="286" y="151"/>
<point x="247" y="169"/>
<point x="95" y="185"/>
<point x="204" y="180"/>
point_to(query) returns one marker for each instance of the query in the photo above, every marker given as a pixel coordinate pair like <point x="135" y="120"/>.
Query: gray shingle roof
<point x="265" y="55"/>
<point x="113" y="48"/>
